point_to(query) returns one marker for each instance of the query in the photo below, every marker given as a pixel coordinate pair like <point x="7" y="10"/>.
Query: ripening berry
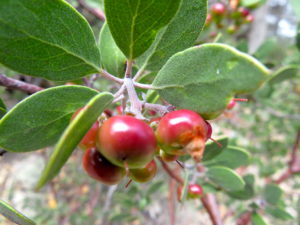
<point x="145" y="174"/>
<point x="127" y="142"/>
<point x="218" y="9"/>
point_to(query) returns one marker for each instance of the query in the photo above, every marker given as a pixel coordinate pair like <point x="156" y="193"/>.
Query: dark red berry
<point x="100" y="168"/>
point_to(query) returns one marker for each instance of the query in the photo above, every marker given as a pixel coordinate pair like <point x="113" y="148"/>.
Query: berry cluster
<point x="123" y="145"/>
<point x="231" y="17"/>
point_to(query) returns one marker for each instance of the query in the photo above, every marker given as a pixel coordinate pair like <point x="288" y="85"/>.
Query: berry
<point x="231" y="104"/>
<point x="100" y="168"/>
<point x="243" y="11"/>
<point x="249" y="18"/>
<point x="89" y="140"/>
<point x="126" y="141"/>
<point x="194" y="191"/>
<point x="182" y="131"/>
<point x="218" y="9"/>
<point x="144" y="174"/>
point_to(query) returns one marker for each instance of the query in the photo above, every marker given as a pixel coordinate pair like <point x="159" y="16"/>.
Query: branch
<point x="94" y="11"/>
<point x="18" y="85"/>
<point x="171" y="172"/>
<point x="210" y="204"/>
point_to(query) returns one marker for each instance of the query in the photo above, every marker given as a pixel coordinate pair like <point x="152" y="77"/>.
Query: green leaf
<point x="212" y="149"/>
<point x="154" y="187"/>
<point x="135" y="23"/>
<point x="248" y="192"/>
<point x="232" y="157"/>
<point x="13" y="215"/>
<point x="112" y="59"/>
<point x="46" y="38"/>
<point x="180" y="34"/>
<point x="2" y="108"/>
<point x="39" y="120"/>
<point x="279" y="213"/>
<point x="205" y="78"/>
<point x="73" y="135"/>
<point x="257" y="219"/>
<point x="298" y="30"/>
<point x="252" y="3"/>
<point x="284" y="73"/>
<point x="272" y="193"/>
<point x="226" y="178"/>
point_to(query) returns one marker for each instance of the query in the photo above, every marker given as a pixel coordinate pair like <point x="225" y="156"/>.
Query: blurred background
<point x="266" y="126"/>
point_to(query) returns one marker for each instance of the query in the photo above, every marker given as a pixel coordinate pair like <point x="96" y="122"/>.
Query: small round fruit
<point x="182" y="131"/>
<point x="249" y="18"/>
<point x="89" y="140"/>
<point x="194" y="191"/>
<point x="218" y="9"/>
<point x="100" y="168"/>
<point x="243" y="11"/>
<point x="127" y="142"/>
<point x="144" y="174"/>
<point x="231" y="104"/>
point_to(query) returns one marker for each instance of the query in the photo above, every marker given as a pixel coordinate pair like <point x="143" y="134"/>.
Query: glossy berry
<point x="144" y="174"/>
<point x="194" y="191"/>
<point x="182" y="131"/>
<point x="89" y="140"/>
<point x="100" y="168"/>
<point x="218" y="9"/>
<point x="126" y="141"/>
<point x="231" y="104"/>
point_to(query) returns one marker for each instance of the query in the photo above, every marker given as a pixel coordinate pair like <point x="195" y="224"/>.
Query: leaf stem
<point x="111" y="77"/>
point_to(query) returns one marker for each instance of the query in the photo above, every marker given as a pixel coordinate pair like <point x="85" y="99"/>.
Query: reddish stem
<point x="128" y="183"/>
<point x="210" y="204"/>
<point x="18" y="85"/>
<point x="240" y="99"/>
<point x="215" y="141"/>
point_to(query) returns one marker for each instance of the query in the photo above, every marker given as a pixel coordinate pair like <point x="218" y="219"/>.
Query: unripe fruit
<point x="218" y="9"/>
<point x="127" y="142"/>
<point x="144" y="174"/>
<point x="194" y="191"/>
<point x="182" y="131"/>
<point x="89" y="140"/>
<point x="100" y="168"/>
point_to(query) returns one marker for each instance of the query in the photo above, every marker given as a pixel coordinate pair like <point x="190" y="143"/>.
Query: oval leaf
<point x="212" y="149"/>
<point x="46" y="38"/>
<point x="226" y="178"/>
<point x="135" y="23"/>
<point x="13" y="215"/>
<point x="279" y="213"/>
<point x="2" y="108"/>
<point x="257" y="219"/>
<point x="205" y="78"/>
<point x="248" y="191"/>
<point x="272" y="193"/>
<point x="39" y="120"/>
<point x="232" y="157"/>
<point x="112" y="59"/>
<point x="180" y="34"/>
<point x="285" y="73"/>
<point x="73" y="135"/>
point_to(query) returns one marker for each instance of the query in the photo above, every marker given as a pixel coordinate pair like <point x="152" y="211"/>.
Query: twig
<point x="292" y="165"/>
<point x="94" y="11"/>
<point x="171" y="172"/>
<point x="111" y="77"/>
<point x="210" y="204"/>
<point x="18" y="85"/>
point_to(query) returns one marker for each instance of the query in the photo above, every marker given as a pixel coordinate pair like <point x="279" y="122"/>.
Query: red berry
<point x="218" y="9"/>
<point x="100" y="168"/>
<point x="144" y="174"/>
<point x="243" y="11"/>
<point x="194" y="191"/>
<point x="231" y="104"/>
<point x="126" y="141"/>
<point x="89" y="140"/>
<point x="208" y="130"/>
<point x="182" y="131"/>
<point x="208" y="19"/>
